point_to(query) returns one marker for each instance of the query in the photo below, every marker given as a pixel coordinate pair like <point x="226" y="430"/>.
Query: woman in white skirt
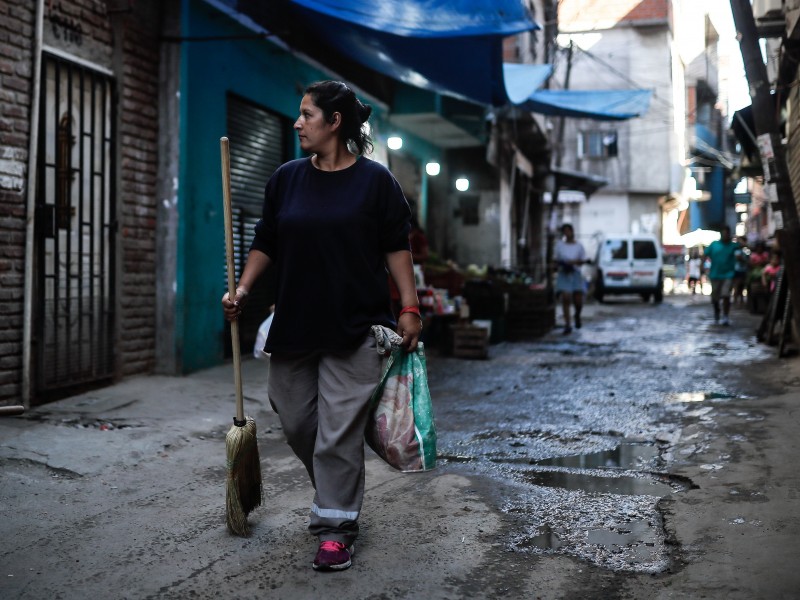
<point x="569" y="257"/>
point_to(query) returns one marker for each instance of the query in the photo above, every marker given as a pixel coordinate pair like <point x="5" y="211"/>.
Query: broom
<point x="243" y="484"/>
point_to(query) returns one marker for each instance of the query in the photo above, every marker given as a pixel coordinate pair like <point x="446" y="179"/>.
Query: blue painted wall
<point x="710" y="214"/>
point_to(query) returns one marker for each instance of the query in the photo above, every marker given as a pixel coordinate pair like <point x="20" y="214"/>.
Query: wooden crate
<point x="470" y="341"/>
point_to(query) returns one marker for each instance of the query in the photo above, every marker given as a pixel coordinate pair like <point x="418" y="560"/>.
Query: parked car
<point x="629" y="264"/>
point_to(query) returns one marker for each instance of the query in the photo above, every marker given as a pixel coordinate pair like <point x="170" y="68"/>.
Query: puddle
<point x="682" y="397"/>
<point x="545" y="539"/>
<point x="637" y="538"/>
<point x="596" y="484"/>
<point x="624" y="456"/>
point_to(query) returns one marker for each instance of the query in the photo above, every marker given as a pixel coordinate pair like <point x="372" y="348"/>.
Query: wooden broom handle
<point x="225" y="154"/>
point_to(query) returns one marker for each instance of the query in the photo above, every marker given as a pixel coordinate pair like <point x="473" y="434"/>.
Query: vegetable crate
<point x="470" y="341"/>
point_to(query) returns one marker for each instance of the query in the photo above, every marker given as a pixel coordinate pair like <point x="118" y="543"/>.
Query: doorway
<point x="74" y="318"/>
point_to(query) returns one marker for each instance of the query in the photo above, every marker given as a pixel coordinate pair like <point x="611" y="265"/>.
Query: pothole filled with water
<point x="598" y="484"/>
<point x="600" y="506"/>
<point x="618" y="532"/>
<point x="624" y="456"/>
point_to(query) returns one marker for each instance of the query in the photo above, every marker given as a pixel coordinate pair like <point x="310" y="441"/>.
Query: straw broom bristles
<point x="243" y="484"/>
<point x="243" y="488"/>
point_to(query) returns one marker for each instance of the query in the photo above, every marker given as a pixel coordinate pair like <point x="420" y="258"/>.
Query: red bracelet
<point x="409" y="309"/>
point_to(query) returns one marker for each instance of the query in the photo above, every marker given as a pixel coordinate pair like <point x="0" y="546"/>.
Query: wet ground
<point x="578" y="431"/>
<point x="650" y="454"/>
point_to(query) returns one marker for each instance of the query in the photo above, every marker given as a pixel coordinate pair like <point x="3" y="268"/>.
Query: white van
<point x="629" y="264"/>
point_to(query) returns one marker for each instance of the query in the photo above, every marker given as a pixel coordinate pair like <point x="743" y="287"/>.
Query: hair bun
<point x="364" y="111"/>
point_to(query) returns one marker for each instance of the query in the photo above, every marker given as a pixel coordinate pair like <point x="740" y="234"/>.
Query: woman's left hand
<point x="409" y="326"/>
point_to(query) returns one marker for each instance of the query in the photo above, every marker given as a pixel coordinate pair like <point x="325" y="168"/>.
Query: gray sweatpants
<point x="322" y="401"/>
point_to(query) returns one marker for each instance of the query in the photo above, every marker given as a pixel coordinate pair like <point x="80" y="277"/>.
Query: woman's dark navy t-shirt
<point x="327" y="233"/>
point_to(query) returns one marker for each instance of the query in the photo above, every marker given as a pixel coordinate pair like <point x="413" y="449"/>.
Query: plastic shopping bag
<point x="401" y="426"/>
<point x="261" y="338"/>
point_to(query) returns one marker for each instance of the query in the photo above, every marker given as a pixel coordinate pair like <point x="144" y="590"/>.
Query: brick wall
<point x="16" y="47"/>
<point x="126" y="41"/>
<point x="138" y="131"/>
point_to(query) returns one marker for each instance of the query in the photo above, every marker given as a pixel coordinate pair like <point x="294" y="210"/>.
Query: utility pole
<point x="559" y="148"/>
<point x="773" y="155"/>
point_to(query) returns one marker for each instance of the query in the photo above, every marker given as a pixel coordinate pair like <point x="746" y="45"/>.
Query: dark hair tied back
<point x="335" y="96"/>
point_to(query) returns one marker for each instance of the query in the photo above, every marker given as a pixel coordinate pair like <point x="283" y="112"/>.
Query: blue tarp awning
<point x="429" y="18"/>
<point x="451" y="47"/>
<point x="521" y="80"/>
<point x="523" y="83"/>
<point x="600" y="105"/>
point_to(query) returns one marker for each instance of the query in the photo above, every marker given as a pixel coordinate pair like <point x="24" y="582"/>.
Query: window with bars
<point x="597" y="144"/>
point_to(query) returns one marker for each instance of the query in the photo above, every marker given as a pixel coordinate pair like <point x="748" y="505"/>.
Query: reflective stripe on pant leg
<point x="346" y="382"/>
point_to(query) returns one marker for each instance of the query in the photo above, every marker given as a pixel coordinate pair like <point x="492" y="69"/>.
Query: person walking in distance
<point x="722" y="255"/>
<point x="570" y="256"/>
<point x="741" y="267"/>
<point x="695" y="270"/>
<point x="332" y="225"/>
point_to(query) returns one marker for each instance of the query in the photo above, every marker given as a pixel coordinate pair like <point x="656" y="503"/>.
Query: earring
<point x="352" y="147"/>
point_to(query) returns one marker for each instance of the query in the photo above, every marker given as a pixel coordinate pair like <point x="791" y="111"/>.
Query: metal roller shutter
<point x="258" y="146"/>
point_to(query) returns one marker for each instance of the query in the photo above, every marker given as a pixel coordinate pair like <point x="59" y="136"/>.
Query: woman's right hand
<point x="233" y="308"/>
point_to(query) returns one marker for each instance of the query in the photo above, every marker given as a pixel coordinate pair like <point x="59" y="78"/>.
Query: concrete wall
<point x="623" y="45"/>
<point x="477" y="244"/>
<point x="644" y="145"/>
<point x="603" y="213"/>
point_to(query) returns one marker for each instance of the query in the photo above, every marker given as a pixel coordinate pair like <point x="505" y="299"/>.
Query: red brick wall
<point x="138" y="132"/>
<point x="133" y="41"/>
<point x="588" y="14"/>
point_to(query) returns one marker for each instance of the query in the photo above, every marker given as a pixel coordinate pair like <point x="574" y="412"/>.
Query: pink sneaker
<point x="332" y="556"/>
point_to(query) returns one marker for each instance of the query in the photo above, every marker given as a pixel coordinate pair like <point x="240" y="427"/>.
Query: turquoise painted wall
<point x="265" y="74"/>
<point x="254" y="69"/>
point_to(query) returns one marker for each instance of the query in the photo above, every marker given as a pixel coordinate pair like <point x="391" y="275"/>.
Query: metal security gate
<point x="74" y="320"/>
<point x="258" y="142"/>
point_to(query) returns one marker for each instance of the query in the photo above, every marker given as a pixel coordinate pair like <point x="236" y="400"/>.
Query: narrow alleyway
<point x="648" y="455"/>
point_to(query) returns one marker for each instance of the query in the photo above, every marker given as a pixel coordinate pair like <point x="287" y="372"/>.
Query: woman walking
<point x="570" y="256"/>
<point x="332" y="225"/>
